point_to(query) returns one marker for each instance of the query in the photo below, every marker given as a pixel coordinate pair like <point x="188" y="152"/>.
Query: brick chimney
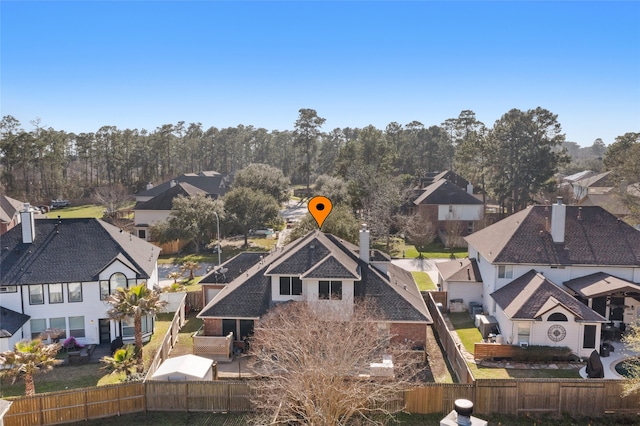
<point x="28" y="224"/>
<point x="558" y="216"/>
<point x="364" y="243"/>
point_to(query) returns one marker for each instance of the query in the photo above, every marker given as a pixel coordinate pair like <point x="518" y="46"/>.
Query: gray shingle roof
<point x="330" y="267"/>
<point x="531" y="295"/>
<point x="66" y="250"/>
<point x="234" y="267"/>
<point x="445" y="192"/>
<point x="600" y="284"/>
<point x="8" y="208"/>
<point x="460" y="270"/>
<point x="213" y="183"/>
<point x="249" y="295"/>
<point x="593" y="236"/>
<point x="11" y="321"/>
<point x="164" y="201"/>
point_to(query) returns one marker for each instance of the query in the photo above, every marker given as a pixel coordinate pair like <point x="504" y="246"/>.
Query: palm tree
<point x="27" y="359"/>
<point x="123" y="360"/>
<point x="190" y="266"/>
<point x="135" y="302"/>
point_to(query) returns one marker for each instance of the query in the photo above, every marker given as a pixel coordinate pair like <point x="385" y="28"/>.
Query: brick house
<point x="323" y="270"/>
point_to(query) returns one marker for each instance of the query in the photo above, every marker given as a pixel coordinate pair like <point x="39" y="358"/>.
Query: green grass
<point x="90" y="210"/>
<point x="469" y="335"/>
<point x="423" y="280"/>
<point x="399" y="249"/>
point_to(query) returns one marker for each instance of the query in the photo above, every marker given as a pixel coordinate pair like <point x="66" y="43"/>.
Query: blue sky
<point x="81" y="65"/>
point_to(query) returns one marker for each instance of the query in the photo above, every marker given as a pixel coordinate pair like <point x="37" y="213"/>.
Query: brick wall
<point x="212" y="327"/>
<point x="416" y="333"/>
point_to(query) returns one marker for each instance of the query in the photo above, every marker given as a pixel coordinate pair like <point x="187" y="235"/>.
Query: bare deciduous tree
<point x="113" y="198"/>
<point x="632" y="341"/>
<point x="420" y="232"/>
<point x="317" y="365"/>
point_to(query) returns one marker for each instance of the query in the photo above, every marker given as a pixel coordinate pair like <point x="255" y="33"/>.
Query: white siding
<point x="469" y="212"/>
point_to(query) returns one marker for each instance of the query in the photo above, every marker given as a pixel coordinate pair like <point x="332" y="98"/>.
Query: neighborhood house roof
<point x="592" y="236"/>
<point x="68" y="250"/>
<point x="233" y="267"/>
<point x="600" y="284"/>
<point x="213" y="183"/>
<point x="164" y="201"/>
<point x="601" y="180"/>
<point x="11" y="321"/>
<point x="319" y="255"/>
<point x="532" y="295"/>
<point x="444" y="192"/>
<point x="8" y="208"/>
<point x="460" y="270"/>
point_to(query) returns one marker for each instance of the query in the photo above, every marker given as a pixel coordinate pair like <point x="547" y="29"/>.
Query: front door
<point x="105" y="331"/>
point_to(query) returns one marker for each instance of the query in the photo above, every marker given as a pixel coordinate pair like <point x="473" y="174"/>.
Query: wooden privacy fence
<point x="76" y="405"/>
<point x="170" y="339"/>
<point x="456" y="360"/>
<point x="198" y="396"/>
<point x="577" y="397"/>
<point x="493" y="350"/>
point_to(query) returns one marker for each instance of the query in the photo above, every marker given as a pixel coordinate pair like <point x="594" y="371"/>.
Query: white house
<point x="567" y="246"/>
<point x="57" y="273"/>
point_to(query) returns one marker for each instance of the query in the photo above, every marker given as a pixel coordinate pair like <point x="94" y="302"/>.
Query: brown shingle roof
<point x="531" y="295"/>
<point x="600" y="284"/>
<point x="460" y="270"/>
<point x="593" y="236"/>
<point x="445" y="192"/>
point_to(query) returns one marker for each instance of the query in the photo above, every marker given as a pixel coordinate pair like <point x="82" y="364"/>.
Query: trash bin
<point x="604" y="350"/>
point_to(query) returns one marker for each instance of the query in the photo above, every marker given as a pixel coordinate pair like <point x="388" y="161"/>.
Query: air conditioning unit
<point x="524" y="345"/>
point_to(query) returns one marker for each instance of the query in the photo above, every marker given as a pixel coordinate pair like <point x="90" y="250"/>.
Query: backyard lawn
<point x="423" y="280"/>
<point x="469" y="335"/>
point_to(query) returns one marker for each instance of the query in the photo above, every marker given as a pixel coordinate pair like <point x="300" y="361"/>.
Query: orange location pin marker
<point x="319" y="207"/>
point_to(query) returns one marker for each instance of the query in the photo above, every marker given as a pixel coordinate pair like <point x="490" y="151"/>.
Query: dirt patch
<point x="436" y="359"/>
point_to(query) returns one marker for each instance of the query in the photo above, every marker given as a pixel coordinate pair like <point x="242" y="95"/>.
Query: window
<point x="36" y="295"/>
<point x="450" y="209"/>
<point x="55" y="293"/>
<point x="60" y="323"/>
<point x="469" y="227"/>
<point x="37" y="327"/>
<point x="76" y="326"/>
<point x="128" y="326"/>
<point x="104" y="289"/>
<point x="505" y="271"/>
<point x="74" y="291"/>
<point x="557" y="317"/>
<point x="142" y="233"/>
<point x="246" y="329"/>
<point x="330" y="290"/>
<point x="229" y="326"/>
<point x="8" y="289"/>
<point x="109" y="287"/>
<point x="589" y="339"/>
<point x="524" y="331"/>
<point x="290" y="286"/>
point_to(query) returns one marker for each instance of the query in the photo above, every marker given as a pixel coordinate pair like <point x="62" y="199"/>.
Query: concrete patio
<point x="620" y="353"/>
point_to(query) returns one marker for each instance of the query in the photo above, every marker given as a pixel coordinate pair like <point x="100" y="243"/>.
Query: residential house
<point x="57" y="273"/>
<point x="327" y="272"/>
<point x="462" y="281"/>
<point x="155" y="203"/>
<point x="600" y="183"/>
<point x="552" y="275"/>
<point x="9" y="213"/>
<point x="451" y="211"/>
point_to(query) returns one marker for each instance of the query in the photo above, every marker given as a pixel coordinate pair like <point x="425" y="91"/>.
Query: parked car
<point x="262" y="232"/>
<point x="57" y="204"/>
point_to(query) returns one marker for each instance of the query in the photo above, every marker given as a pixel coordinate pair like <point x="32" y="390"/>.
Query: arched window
<point x="118" y="280"/>
<point x="557" y="317"/>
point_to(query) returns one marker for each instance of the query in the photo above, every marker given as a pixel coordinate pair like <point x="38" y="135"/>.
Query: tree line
<point x="512" y="161"/>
